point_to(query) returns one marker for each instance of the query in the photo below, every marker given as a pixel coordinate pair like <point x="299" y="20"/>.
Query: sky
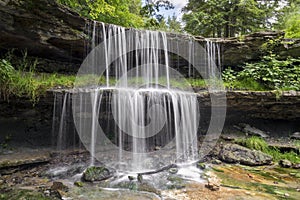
<point x="178" y="4"/>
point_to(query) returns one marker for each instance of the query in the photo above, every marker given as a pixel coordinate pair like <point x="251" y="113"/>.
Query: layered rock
<point x="45" y="30"/>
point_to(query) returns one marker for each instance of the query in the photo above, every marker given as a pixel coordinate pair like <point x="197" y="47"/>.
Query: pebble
<point x="173" y="170"/>
<point x="47" y="193"/>
<point x="216" y="162"/>
<point x="286" y="195"/>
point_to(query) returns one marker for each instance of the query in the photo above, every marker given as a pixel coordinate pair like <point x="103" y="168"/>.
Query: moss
<point x="229" y="181"/>
<point x="24" y="194"/>
<point x="253" y="142"/>
<point x="260" y="144"/>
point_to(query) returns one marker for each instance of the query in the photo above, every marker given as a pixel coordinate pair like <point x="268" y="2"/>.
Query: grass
<point x="20" y="83"/>
<point x="260" y="144"/>
<point x="21" y="80"/>
<point x="245" y="84"/>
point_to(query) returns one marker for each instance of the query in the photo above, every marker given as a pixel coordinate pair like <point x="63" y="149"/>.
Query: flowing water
<point x="139" y="118"/>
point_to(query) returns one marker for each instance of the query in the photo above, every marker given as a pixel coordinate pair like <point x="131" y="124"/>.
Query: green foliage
<point x="120" y="12"/>
<point x="260" y="144"/>
<point x="23" y="81"/>
<point x="289" y="19"/>
<point x="128" y="13"/>
<point x="229" y="75"/>
<point x="270" y="73"/>
<point x="150" y="12"/>
<point x="292" y="26"/>
<point x="254" y="142"/>
<point x="231" y="81"/>
<point x="274" y="73"/>
<point x="224" y="18"/>
<point x="174" y="25"/>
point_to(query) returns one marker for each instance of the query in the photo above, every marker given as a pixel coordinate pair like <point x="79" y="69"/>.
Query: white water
<point x="213" y="57"/>
<point x="148" y="112"/>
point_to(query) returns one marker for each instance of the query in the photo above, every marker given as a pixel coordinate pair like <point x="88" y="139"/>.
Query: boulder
<point x="233" y="153"/>
<point x="285" y="163"/>
<point x="213" y="183"/>
<point x="249" y="130"/>
<point x="96" y="173"/>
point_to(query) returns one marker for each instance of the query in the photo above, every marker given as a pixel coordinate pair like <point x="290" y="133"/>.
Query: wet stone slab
<point x="21" y="159"/>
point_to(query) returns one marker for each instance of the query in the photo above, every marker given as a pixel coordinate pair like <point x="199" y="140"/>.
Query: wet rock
<point x="213" y="183"/>
<point x="47" y="193"/>
<point x="78" y="184"/>
<point x="21" y="159"/>
<point x="146" y="187"/>
<point x="66" y="171"/>
<point x="216" y="162"/>
<point x="175" y="182"/>
<point x="249" y="130"/>
<point x="173" y="170"/>
<point x="96" y="173"/>
<point x="201" y="165"/>
<point x="140" y="178"/>
<point x="131" y="178"/>
<point x="295" y="135"/>
<point x="296" y="166"/>
<point x="59" y="186"/>
<point x="233" y="153"/>
<point x="285" y="163"/>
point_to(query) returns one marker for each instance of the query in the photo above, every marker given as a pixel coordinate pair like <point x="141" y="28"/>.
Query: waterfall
<point x="139" y="118"/>
<point x="213" y="57"/>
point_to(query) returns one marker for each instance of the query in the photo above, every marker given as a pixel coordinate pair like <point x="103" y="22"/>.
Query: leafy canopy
<point x="228" y="18"/>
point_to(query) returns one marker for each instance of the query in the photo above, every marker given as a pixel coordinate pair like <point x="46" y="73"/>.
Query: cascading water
<point x="148" y="120"/>
<point x="213" y="57"/>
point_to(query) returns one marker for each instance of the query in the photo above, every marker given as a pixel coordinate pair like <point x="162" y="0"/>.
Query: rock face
<point x="45" y="29"/>
<point x="233" y="153"/>
<point x="263" y="105"/>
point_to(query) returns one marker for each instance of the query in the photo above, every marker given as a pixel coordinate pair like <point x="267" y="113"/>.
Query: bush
<point x="270" y="73"/>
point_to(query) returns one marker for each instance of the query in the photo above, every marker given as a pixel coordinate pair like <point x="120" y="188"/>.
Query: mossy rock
<point x="233" y="153"/>
<point x="96" y="173"/>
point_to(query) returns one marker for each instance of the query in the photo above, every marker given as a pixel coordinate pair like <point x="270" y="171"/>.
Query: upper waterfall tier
<point x="56" y="35"/>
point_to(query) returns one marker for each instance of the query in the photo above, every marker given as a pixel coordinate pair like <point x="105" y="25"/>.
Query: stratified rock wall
<point x="46" y="30"/>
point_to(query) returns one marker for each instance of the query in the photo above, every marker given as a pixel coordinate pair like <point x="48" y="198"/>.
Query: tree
<point x="121" y="12"/>
<point x="289" y="19"/>
<point x="151" y="12"/>
<point x="173" y="24"/>
<point x="227" y="18"/>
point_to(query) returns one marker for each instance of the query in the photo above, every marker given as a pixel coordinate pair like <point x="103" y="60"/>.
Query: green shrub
<point x="270" y="73"/>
